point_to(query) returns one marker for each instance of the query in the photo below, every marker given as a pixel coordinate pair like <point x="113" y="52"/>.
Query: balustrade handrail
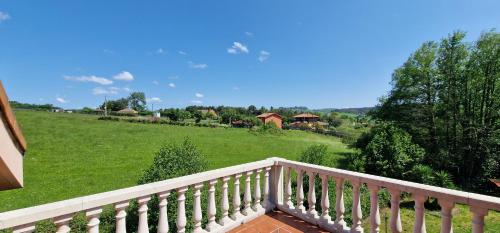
<point x="60" y="208"/>
<point x="471" y="199"/>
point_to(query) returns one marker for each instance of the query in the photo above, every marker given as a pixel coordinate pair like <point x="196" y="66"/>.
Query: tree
<point x="137" y="101"/>
<point x="389" y="151"/>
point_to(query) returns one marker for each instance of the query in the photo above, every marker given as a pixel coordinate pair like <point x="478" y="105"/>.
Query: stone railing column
<point x="395" y="214"/>
<point x="236" y="198"/>
<point x="288" y="188"/>
<point x="257" y="206"/>
<point x="225" y="202"/>
<point x="181" y="209"/>
<point x="340" y="223"/>
<point x="446" y="208"/>
<point x="300" y="191"/>
<point x="419" y="226"/>
<point x="248" y="194"/>
<point x="121" y="213"/>
<point x="212" y="209"/>
<point x="93" y="220"/>
<point x="357" y="215"/>
<point x="163" y="218"/>
<point x="311" y="196"/>
<point x="26" y="228"/>
<point x="325" y="200"/>
<point x="197" y="214"/>
<point x="62" y="223"/>
<point x="266" y="203"/>
<point x="143" y="214"/>
<point x="478" y="215"/>
<point x="374" y="209"/>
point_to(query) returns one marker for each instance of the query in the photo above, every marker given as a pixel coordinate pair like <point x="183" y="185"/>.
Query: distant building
<point x="128" y="111"/>
<point x="271" y="117"/>
<point x="12" y="146"/>
<point x="209" y="112"/>
<point x="306" y="118"/>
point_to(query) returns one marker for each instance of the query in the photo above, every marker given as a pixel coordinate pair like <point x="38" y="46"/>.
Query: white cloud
<point x="249" y="34"/>
<point x="4" y="16"/>
<point x="196" y="101"/>
<point x="160" y="51"/>
<point x="237" y="48"/>
<point x="197" y="66"/>
<point x="173" y="77"/>
<point x="61" y="100"/>
<point x="172" y="85"/>
<point x="199" y="95"/>
<point x="124" y="76"/>
<point x="264" y="55"/>
<point x="92" y="78"/>
<point x="109" y="90"/>
<point x="236" y="88"/>
<point x="182" y="53"/>
<point x="154" y="100"/>
<point x="156" y="83"/>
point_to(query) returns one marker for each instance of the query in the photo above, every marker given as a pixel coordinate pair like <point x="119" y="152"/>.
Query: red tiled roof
<point x="496" y="182"/>
<point x="268" y="114"/>
<point x="306" y="115"/>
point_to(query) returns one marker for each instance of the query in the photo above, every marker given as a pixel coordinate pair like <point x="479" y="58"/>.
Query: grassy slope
<point x="71" y="155"/>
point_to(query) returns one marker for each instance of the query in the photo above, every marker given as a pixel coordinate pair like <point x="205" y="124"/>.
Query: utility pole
<point x="105" y="107"/>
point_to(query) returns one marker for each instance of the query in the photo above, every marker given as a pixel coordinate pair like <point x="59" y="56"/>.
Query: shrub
<point x="170" y="161"/>
<point x="316" y="154"/>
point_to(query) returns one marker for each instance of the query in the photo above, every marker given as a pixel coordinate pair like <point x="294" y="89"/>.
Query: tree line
<point x="447" y="97"/>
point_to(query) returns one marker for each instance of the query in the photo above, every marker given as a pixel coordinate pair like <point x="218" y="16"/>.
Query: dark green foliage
<point x="170" y="161"/>
<point x="388" y="151"/>
<point x="36" y="107"/>
<point x="447" y="96"/>
<point x="316" y="154"/>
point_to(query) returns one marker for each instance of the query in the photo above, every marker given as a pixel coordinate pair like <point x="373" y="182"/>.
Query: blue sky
<point x="267" y="53"/>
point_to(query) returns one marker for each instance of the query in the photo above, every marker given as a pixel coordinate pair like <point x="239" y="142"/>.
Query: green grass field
<point x="71" y="155"/>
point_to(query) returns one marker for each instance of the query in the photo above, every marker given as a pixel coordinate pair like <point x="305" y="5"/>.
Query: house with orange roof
<point x="271" y="117"/>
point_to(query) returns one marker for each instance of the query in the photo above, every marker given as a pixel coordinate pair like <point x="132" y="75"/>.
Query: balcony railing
<point x="275" y="192"/>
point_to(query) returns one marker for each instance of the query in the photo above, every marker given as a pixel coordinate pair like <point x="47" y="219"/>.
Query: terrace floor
<point x="277" y="222"/>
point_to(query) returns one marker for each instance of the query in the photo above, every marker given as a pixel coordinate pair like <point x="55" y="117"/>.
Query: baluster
<point x="311" y="196"/>
<point x="446" y="217"/>
<point x="478" y="215"/>
<point x="248" y="194"/>
<point x="236" y="198"/>
<point x="395" y="215"/>
<point x="62" y="223"/>
<point x="419" y="226"/>
<point x="325" y="200"/>
<point x="266" y="203"/>
<point x="257" y="206"/>
<point x="197" y="215"/>
<point x="225" y="220"/>
<point x="300" y="192"/>
<point x="288" y="188"/>
<point x="163" y="218"/>
<point x="339" y="205"/>
<point x="143" y="214"/>
<point x="25" y="228"/>
<point x="121" y="213"/>
<point x="93" y="220"/>
<point x="374" y="209"/>
<point x="357" y="215"/>
<point x="181" y="209"/>
<point x="212" y="209"/>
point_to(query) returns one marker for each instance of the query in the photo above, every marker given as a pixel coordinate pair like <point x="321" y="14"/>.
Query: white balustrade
<point x="374" y="209"/>
<point x="356" y="208"/>
<point x="143" y="214"/>
<point x="300" y="192"/>
<point x="197" y="215"/>
<point x="121" y="213"/>
<point x="212" y="210"/>
<point x="276" y="193"/>
<point x="225" y="220"/>
<point x="163" y="216"/>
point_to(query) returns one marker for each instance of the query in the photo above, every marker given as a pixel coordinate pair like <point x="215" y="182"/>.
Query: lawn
<point x="71" y="155"/>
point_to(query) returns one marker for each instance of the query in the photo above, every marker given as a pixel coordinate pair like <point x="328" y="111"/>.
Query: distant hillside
<point x="357" y="111"/>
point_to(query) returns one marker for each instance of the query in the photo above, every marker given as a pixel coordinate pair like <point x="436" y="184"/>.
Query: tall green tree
<point x="137" y="101"/>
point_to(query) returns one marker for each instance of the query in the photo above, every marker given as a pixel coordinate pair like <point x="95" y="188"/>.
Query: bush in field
<point x="170" y="161"/>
